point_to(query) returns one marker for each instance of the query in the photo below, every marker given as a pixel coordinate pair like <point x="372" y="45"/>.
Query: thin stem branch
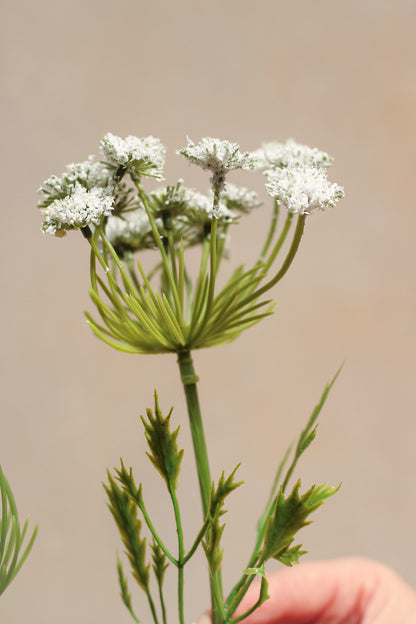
<point x="180" y="550"/>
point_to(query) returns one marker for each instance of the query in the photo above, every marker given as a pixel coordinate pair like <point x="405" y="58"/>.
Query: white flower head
<point x="80" y="209"/>
<point x="239" y="198"/>
<point x="218" y="157"/>
<point x="200" y="207"/>
<point x="276" y="155"/>
<point x="88" y="174"/>
<point x="131" y="233"/>
<point x="145" y="156"/>
<point x="303" y="189"/>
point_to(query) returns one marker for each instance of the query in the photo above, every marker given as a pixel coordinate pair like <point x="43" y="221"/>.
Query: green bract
<point x="12" y="536"/>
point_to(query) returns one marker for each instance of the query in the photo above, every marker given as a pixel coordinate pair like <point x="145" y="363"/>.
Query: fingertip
<point x="205" y="618"/>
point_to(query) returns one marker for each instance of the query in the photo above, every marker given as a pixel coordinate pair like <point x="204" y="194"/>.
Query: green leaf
<point x="124" y="511"/>
<point x="12" y="536"/>
<point x="223" y="489"/>
<point x="291" y="556"/>
<point x="289" y="516"/>
<point x="263" y="595"/>
<point x="160" y="562"/>
<point x="212" y="542"/>
<point x="214" y="532"/>
<point x="124" y="591"/>
<point x="165" y="455"/>
<point x="309" y="432"/>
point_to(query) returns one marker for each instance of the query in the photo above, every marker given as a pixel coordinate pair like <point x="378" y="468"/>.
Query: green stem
<point x="189" y="381"/>
<point x="180" y="550"/>
<point x="152" y="606"/>
<point x="140" y="503"/>
<point x="270" y="234"/>
<point x="172" y="283"/>
<point x="197" y="541"/>
<point x="162" y="603"/>
<point x="279" y="242"/>
<point x="297" y="237"/>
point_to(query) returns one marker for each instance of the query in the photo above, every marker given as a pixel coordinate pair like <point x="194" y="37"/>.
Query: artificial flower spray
<point x="166" y="311"/>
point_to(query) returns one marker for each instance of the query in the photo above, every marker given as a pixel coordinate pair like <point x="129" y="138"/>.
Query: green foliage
<point x="124" y="511"/>
<point x="211" y="544"/>
<point x="291" y="556"/>
<point x="263" y="594"/>
<point x="164" y="452"/>
<point x="223" y="489"/>
<point x="288" y="517"/>
<point x="12" y="536"/>
<point x="124" y="591"/>
<point x="214" y="532"/>
<point x="306" y="437"/>
<point x="160" y="562"/>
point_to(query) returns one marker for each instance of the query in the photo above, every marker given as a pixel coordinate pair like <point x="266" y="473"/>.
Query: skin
<point x="343" y="591"/>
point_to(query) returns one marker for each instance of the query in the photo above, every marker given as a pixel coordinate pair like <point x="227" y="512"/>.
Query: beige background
<point x="337" y="74"/>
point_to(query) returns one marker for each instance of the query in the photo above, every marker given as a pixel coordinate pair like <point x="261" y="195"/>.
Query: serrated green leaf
<point x="320" y="493"/>
<point x="291" y="556"/>
<point x="124" y="591"/>
<point x="224" y="488"/>
<point x="124" y="511"/>
<point x="306" y="440"/>
<point x="289" y="516"/>
<point x="212" y="541"/>
<point x="160" y="562"/>
<point x="164" y="455"/>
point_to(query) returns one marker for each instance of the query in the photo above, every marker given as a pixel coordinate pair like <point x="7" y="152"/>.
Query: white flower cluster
<point x="302" y="189"/>
<point x="88" y="174"/>
<point x="276" y="155"/>
<point x="146" y="155"/>
<point x="200" y="208"/>
<point x="131" y="233"/>
<point x="83" y="207"/>
<point x="218" y="157"/>
<point x="239" y="198"/>
<point x="182" y="202"/>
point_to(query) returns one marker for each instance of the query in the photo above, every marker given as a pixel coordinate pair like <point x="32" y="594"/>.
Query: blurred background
<point x="336" y="75"/>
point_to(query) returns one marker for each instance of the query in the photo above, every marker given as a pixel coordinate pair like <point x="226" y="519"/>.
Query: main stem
<point x="189" y="381"/>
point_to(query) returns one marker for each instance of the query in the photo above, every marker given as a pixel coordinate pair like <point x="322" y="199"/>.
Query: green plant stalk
<point x="297" y="236"/>
<point x="180" y="550"/>
<point x="152" y="606"/>
<point x="162" y="603"/>
<point x="270" y="234"/>
<point x="189" y="380"/>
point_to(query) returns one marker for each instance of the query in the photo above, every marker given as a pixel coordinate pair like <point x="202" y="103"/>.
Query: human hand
<point x="343" y="591"/>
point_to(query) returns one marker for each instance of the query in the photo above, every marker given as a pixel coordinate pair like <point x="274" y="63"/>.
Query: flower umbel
<point x="80" y="209"/>
<point x="274" y="155"/>
<point x="143" y="156"/>
<point x="303" y="189"/>
<point x="88" y="174"/>
<point x="219" y="157"/>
